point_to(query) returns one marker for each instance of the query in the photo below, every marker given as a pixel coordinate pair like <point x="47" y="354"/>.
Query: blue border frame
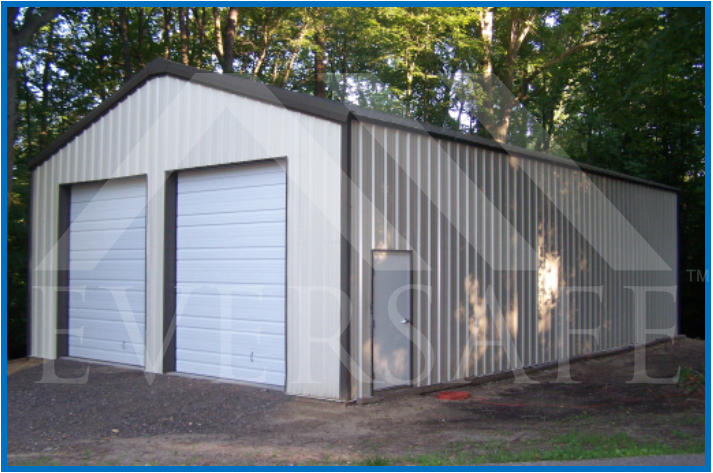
<point x="3" y="186"/>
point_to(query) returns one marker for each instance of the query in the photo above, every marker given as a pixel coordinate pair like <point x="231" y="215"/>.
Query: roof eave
<point x="316" y="106"/>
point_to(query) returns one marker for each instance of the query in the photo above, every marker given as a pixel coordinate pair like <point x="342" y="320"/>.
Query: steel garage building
<point x="205" y="224"/>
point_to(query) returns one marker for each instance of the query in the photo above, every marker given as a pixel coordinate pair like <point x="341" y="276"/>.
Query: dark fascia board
<point x="315" y="106"/>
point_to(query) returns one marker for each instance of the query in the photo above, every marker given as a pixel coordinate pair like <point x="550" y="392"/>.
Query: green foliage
<point x="571" y="446"/>
<point x="692" y="380"/>
<point x="376" y="461"/>
<point x="621" y="88"/>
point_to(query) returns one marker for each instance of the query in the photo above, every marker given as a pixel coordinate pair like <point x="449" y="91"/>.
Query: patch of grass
<point x="682" y="435"/>
<point x="376" y="461"/>
<point x="39" y="461"/>
<point x="695" y="420"/>
<point x="692" y="380"/>
<point x="572" y="446"/>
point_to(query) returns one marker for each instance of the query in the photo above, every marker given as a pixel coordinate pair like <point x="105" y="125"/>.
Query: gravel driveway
<point x="118" y="402"/>
<point x="119" y="418"/>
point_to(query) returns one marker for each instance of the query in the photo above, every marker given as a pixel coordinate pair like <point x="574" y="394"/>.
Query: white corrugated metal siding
<point x="170" y="124"/>
<point x="230" y="258"/>
<point x="488" y="230"/>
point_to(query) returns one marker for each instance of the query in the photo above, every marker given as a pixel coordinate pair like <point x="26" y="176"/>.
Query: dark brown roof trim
<point x="315" y="106"/>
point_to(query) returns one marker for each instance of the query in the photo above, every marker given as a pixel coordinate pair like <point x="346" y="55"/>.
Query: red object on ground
<point x="453" y="395"/>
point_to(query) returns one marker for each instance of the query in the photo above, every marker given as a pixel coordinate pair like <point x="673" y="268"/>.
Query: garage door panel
<point x="107" y="209"/>
<point x="101" y="299"/>
<point x="219" y="181"/>
<point x="115" y="190"/>
<point x="109" y="224"/>
<point x="130" y="239"/>
<point x="104" y="354"/>
<point x="232" y="236"/>
<point x="232" y="272"/>
<point x="81" y="343"/>
<point x="231" y="172"/>
<point x="247" y="307"/>
<point x="122" y="270"/>
<point x="111" y="328"/>
<point x="109" y="332"/>
<point x="225" y="206"/>
<point x="270" y="364"/>
<point x="254" y="252"/>
<point x="226" y="218"/>
<point x="236" y="372"/>
<point x="261" y="345"/>
<point x="230" y="233"/>
<point x="107" y="241"/>
<point x="110" y="316"/>
<point x="187" y="290"/>
<point x="114" y="255"/>
<point x="246" y="324"/>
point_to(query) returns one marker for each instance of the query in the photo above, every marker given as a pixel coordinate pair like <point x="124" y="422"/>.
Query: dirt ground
<point x="117" y="417"/>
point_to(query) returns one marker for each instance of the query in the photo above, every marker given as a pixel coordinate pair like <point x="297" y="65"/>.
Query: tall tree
<point x="225" y="50"/>
<point x="183" y="31"/>
<point x="19" y="31"/>
<point x="320" y="47"/>
<point x="166" y="31"/>
<point x="126" y="47"/>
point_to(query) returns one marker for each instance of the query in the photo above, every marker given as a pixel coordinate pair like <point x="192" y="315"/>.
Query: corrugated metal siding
<point x="487" y="229"/>
<point x="171" y="124"/>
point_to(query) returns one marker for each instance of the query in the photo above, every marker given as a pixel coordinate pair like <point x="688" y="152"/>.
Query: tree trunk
<point x="199" y="18"/>
<point x="230" y="29"/>
<point x="140" y="37"/>
<point x="519" y="30"/>
<point x="320" y="88"/>
<point x="225" y="50"/>
<point x="124" y="29"/>
<point x="219" y="51"/>
<point x="485" y="112"/>
<point x="295" y="52"/>
<point x="11" y="64"/>
<point x="167" y="18"/>
<point x="44" y="138"/>
<point x="261" y="59"/>
<point x="184" y="34"/>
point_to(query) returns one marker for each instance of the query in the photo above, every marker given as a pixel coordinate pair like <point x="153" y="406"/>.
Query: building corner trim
<point x="169" y="272"/>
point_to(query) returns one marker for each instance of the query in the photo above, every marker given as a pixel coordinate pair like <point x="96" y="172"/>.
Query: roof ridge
<point x="317" y="106"/>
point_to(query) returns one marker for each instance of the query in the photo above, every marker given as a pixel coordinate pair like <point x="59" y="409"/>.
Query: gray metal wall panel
<point x="482" y="223"/>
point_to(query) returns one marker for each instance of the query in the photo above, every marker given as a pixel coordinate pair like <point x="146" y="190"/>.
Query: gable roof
<point x="316" y="106"/>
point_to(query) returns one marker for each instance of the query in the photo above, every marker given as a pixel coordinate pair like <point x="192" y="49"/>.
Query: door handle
<point x="404" y="321"/>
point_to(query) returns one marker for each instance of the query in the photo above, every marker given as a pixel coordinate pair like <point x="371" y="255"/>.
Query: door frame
<point x="63" y="262"/>
<point x="371" y="312"/>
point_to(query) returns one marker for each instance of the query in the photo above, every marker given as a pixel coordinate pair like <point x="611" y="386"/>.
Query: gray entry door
<point x="392" y="319"/>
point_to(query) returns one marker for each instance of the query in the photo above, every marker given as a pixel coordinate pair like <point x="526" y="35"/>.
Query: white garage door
<point x="230" y="274"/>
<point x="107" y="248"/>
